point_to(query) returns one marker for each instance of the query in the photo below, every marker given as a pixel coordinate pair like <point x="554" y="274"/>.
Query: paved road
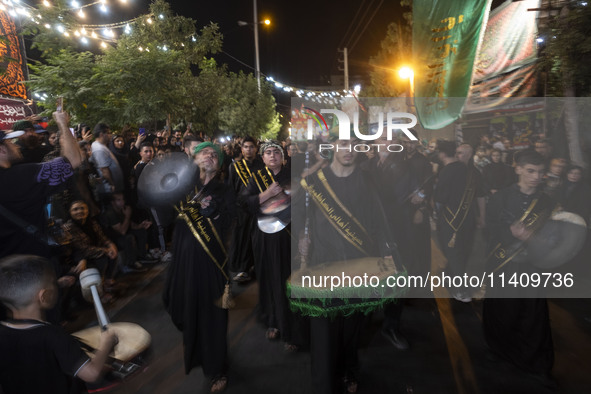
<point x="447" y="355"/>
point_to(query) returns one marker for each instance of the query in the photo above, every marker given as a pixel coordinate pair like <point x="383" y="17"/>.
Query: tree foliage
<point x="246" y="111"/>
<point x="161" y="68"/>
<point x="395" y="52"/>
<point x="565" y="57"/>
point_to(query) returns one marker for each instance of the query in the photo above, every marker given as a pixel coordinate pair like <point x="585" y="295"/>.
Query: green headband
<point x="209" y="144"/>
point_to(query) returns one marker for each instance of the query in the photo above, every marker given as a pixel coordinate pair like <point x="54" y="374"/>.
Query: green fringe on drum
<point x="343" y="301"/>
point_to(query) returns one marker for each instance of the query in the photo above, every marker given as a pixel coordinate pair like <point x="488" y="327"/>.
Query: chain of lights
<point x="319" y="96"/>
<point x="103" y="33"/>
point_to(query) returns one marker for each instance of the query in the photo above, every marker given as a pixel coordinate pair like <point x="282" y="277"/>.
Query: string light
<point x="81" y="13"/>
<point x="46" y="3"/>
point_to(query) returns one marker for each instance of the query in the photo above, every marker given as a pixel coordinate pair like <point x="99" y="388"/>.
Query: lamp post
<point x="256" y="40"/>
<point x="408" y="73"/>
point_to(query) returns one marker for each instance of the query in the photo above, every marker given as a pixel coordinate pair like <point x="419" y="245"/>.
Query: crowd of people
<point x="72" y="200"/>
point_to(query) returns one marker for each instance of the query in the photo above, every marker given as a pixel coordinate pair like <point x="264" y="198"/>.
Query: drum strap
<point x="534" y="218"/>
<point x="455" y="220"/>
<point x="335" y="211"/>
<point x="243" y="171"/>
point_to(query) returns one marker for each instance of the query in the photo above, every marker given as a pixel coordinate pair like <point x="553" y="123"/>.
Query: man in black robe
<point x="334" y="342"/>
<point x="241" y="254"/>
<point x="516" y="323"/>
<point x="456" y="196"/>
<point x="198" y="278"/>
<point x="272" y="251"/>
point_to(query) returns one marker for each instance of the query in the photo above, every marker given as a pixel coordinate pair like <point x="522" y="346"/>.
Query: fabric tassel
<point x="227" y="300"/>
<point x="452" y="241"/>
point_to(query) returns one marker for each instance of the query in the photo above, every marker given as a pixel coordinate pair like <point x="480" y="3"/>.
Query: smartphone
<point x="142" y="131"/>
<point x="59" y="102"/>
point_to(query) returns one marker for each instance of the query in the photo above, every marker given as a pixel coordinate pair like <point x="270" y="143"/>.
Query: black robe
<point x="272" y="254"/>
<point x="517" y="328"/>
<point x="334" y="342"/>
<point x="241" y="253"/>
<point x="194" y="284"/>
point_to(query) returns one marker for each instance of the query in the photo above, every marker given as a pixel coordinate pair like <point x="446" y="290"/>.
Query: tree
<point x="160" y="70"/>
<point x="246" y="111"/>
<point x="395" y="52"/>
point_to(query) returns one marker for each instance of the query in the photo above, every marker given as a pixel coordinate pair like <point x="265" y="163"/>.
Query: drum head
<point x="133" y="339"/>
<point x="561" y="238"/>
<point x="166" y="182"/>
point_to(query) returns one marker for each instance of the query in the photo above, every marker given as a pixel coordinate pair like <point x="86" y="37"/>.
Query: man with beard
<point x="30" y="143"/>
<point x="197" y="284"/>
<point x="272" y="250"/>
<point x="241" y="255"/>
<point x="346" y="222"/>
<point x="516" y="321"/>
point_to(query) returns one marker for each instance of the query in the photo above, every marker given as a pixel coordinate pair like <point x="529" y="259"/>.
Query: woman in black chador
<point x="197" y="285"/>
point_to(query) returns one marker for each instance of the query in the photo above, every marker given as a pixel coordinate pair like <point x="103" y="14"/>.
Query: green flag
<point x="445" y="39"/>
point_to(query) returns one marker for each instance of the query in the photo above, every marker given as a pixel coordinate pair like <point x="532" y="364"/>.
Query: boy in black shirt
<point x="36" y="356"/>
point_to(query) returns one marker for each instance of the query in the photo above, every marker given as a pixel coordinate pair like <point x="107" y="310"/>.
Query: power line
<point x="367" y="9"/>
<point x="351" y="24"/>
<point x="366" y="25"/>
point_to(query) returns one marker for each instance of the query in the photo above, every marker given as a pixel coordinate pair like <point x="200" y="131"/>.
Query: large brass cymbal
<point x="166" y="181"/>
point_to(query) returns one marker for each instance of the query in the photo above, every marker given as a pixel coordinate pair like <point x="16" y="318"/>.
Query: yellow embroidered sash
<point x="335" y="211"/>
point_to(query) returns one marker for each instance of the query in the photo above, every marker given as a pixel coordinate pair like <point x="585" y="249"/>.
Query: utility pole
<point x="256" y="44"/>
<point x="345" y="67"/>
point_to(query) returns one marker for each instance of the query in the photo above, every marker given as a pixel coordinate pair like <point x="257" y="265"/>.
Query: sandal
<point x="290" y="348"/>
<point x="272" y="333"/>
<point x="218" y="384"/>
<point x="350" y="384"/>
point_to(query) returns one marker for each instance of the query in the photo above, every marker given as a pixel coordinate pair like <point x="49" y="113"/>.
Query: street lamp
<point x="256" y="40"/>
<point x="408" y="73"/>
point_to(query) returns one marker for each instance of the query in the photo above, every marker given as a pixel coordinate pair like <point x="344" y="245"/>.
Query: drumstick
<point x="89" y="280"/>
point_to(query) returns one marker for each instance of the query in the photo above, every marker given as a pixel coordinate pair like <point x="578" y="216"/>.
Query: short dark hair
<point x="21" y="278"/>
<point x="99" y="129"/>
<point x="146" y="144"/>
<point x="248" y="139"/>
<point x="448" y="148"/>
<point x="189" y="138"/>
<point x="528" y="156"/>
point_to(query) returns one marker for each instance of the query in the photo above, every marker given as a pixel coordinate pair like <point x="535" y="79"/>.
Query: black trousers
<point x="333" y="349"/>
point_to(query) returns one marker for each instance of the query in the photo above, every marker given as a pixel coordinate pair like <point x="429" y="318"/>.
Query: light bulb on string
<point x="81" y="13"/>
<point x="60" y="28"/>
<point x="104" y="8"/>
<point x="83" y="31"/>
<point x="66" y="34"/>
<point x="2" y="7"/>
<point x="161" y="16"/>
<point x="127" y="29"/>
<point x="149" y="20"/>
<point x="103" y="44"/>
<point x="47" y="26"/>
<point x="93" y="35"/>
<point x="84" y="40"/>
<point x="77" y="33"/>
<point x="75" y="4"/>
<point x="46" y="3"/>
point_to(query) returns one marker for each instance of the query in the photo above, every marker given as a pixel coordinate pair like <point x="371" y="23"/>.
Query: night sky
<point x="300" y="47"/>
